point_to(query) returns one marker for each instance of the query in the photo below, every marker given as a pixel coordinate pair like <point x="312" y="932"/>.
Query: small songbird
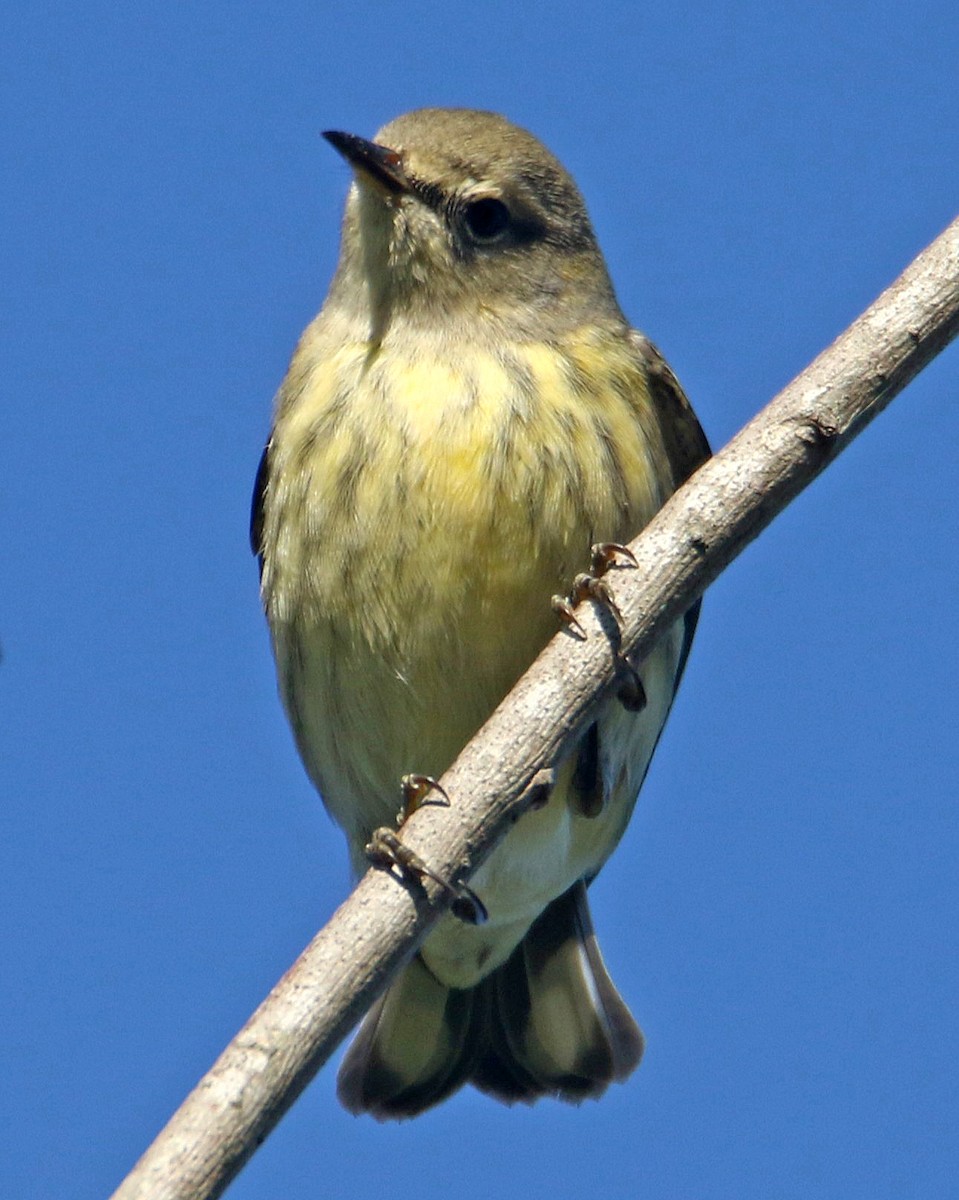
<point x="469" y="413"/>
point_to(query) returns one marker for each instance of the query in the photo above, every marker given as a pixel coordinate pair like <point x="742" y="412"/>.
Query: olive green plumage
<point x="469" y="412"/>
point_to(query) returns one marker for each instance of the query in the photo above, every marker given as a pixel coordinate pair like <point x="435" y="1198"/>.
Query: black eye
<point x="486" y="219"/>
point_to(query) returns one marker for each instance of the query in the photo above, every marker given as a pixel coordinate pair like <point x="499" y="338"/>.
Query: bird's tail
<point x="549" y="1022"/>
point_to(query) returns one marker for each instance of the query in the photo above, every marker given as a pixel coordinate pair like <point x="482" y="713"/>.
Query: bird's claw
<point x="416" y="789"/>
<point x="563" y="608"/>
<point x="386" y="850"/>
<point x="629" y="686"/>
<point x="594" y="587"/>
<point x="603" y="555"/>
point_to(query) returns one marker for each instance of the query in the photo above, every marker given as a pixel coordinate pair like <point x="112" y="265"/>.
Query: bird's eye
<point x="486" y="219"/>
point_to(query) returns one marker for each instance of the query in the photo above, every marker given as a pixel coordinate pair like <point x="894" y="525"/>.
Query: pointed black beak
<point x="380" y="164"/>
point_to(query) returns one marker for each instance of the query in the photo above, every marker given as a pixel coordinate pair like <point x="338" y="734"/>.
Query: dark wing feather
<point x="685" y="442"/>
<point x="260" y="485"/>
<point x="686" y="445"/>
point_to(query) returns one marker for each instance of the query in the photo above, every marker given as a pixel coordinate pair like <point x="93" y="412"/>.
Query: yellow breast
<point x="423" y="507"/>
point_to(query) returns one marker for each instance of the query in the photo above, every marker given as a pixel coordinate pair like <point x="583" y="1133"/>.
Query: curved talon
<point x="468" y="907"/>
<point x="385" y="850"/>
<point x="629" y="686"/>
<point x="415" y="790"/>
<point x="564" y="610"/>
<point x="603" y="555"/>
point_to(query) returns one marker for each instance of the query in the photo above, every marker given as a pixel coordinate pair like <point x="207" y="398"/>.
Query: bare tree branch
<point x="698" y="533"/>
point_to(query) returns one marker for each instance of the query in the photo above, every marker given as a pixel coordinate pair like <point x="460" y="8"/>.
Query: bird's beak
<point x="381" y="165"/>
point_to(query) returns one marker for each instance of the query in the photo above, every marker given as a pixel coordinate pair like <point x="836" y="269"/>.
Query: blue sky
<point x="782" y="915"/>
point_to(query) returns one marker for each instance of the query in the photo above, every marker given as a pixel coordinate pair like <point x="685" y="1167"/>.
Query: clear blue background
<point x="783" y="914"/>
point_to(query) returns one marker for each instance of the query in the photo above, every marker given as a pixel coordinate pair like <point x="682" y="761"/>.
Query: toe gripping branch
<point x="592" y="585"/>
<point x="386" y="850"/>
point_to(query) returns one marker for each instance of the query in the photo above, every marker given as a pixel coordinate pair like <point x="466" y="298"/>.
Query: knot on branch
<point x="820" y="435"/>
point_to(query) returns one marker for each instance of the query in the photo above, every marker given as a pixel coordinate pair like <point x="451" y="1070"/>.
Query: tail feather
<point x="560" y="1027"/>
<point x="549" y="1022"/>
<point x="414" y="1048"/>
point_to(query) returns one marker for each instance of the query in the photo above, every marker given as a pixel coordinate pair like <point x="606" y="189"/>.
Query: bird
<point x="468" y="414"/>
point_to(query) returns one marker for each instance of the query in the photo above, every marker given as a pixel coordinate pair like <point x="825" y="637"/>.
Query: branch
<point x="695" y="536"/>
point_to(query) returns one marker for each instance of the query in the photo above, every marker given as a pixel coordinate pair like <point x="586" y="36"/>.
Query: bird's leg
<point x="386" y="850"/>
<point x="603" y="557"/>
<point x="585" y="586"/>
<point x="594" y="587"/>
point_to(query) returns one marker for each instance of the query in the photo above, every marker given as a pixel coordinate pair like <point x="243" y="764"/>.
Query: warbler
<point x="467" y="415"/>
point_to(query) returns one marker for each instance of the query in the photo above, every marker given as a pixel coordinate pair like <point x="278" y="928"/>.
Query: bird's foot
<point x="603" y="557"/>
<point x="386" y="850"/>
<point x="417" y="790"/>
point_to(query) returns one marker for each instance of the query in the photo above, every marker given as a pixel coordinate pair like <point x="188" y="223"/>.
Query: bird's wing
<point x="256" y="506"/>
<point x="686" y="445"/>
